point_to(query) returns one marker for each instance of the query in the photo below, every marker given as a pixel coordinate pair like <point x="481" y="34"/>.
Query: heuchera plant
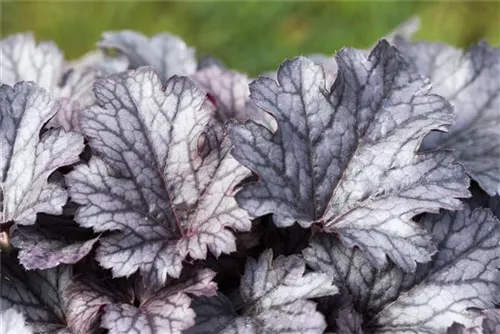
<point x="144" y="191"/>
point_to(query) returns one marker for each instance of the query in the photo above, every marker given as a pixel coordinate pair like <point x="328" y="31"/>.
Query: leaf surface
<point x="50" y="242"/>
<point x="470" y="82"/>
<point x="168" y="54"/>
<point x="161" y="177"/>
<point x="275" y="297"/>
<point x="28" y="158"/>
<point x="346" y="157"/>
<point x="463" y="275"/>
<point x="24" y="60"/>
<point x="231" y="93"/>
<point x="165" y="311"/>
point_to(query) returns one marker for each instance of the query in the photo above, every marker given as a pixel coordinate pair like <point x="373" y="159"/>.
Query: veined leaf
<point x="50" y="242"/>
<point x="470" y="82"/>
<point x="168" y="54"/>
<point x="347" y="157"/>
<point x="28" y="158"/>
<point x="164" y="311"/>
<point x="39" y="295"/>
<point x="232" y="95"/>
<point x="44" y="64"/>
<point x="162" y="178"/>
<point x="463" y="275"/>
<point x="275" y="297"/>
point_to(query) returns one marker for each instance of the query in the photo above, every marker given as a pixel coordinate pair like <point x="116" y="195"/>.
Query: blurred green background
<point x="252" y="36"/>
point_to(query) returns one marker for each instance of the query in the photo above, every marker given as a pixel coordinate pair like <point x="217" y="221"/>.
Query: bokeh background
<point x="252" y="36"/>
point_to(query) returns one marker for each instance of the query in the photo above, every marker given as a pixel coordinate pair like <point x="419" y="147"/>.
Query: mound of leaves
<point x="146" y="191"/>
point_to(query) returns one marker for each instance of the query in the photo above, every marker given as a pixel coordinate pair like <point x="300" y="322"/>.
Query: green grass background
<point x="248" y="35"/>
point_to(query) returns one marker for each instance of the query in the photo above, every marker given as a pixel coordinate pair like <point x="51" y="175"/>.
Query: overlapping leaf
<point x="55" y="301"/>
<point x="24" y="60"/>
<point x="231" y="93"/>
<point x="275" y="297"/>
<point x="161" y="177"/>
<point x="168" y="54"/>
<point x="40" y="296"/>
<point x="75" y="93"/>
<point x="100" y="60"/>
<point x="44" y="64"/>
<point x="164" y="311"/>
<point x="87" y="298"/>
<point x="470" y="82"/>
<point x="28" y="158"/>
<point x="50" y="242"/>
<point x="346" y="157"/>
<point x="463" y="275"/>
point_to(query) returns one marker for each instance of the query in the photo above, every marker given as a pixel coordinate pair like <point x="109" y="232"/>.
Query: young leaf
<point x="23" y="60"/>
<point x="13" y="322"/>
<point x="275" y="297"/>
<point x="470" y="82"/>
<point x="87" y="299"/>
<point x="27" y="158"/>
<point x="165" y="311"/>
<point x="347" y="157"/>
<point x="161" y="178"/>
<point x="463" y="275"/>
<point x="168" y="54"/>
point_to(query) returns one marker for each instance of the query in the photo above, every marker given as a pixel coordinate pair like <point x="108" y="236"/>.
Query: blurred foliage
<point x="248" y="35"/>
